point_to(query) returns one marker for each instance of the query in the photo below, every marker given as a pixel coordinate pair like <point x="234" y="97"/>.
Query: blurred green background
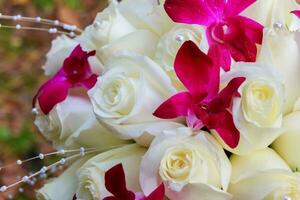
<point x="22" y="53"/>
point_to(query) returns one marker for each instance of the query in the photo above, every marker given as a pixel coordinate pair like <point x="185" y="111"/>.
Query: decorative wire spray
<point x="54" y="26"/>
<point x="67" y="156"/>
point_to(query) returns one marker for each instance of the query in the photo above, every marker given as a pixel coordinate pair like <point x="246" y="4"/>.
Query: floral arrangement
<point x="175" y="99"/>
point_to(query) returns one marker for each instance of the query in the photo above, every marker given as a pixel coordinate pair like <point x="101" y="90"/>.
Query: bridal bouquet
<point x="176" y="99"/>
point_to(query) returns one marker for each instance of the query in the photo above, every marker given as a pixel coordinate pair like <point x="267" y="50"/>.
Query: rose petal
<point x="196" y="71"/>
<point x="115" y="183"/>
<point x="176" y="106"/>
<point x="189" y="11"/>
<point x="235" y="7"/>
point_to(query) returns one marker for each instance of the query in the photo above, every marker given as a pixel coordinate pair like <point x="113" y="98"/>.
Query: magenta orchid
<point x="297" y="13"/>
<point x="75" y="72"/>
<point x="228" y="33"/>
<point x="115" y="183"/>
<point x="203" y="104"/>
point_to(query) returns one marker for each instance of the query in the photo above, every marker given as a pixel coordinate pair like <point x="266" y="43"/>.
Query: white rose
<point x="91" y="174"/>
<point x="263" y="175"/>
<point x="191" y="166"/>
<point x="72" y="124"/>
<point x="111" y="33"/>
<point x="170" y="43"/>
<point x="280" y="48"/>
<point x="287" y="145"/>
<point x="68" y="181"/>
<point x="127" y="94"/>
<point x="109" y="25"/>
<point x="269" y="12"/>
<point x="140" y="41"/>
<point x="147" y="14"/>
<point x="257" y="114"/>
<point x="61" y="48"/>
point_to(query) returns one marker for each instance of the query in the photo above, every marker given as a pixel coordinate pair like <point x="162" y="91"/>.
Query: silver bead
<point x="278" y="25"/>
<point x="35" y="111"/>
<point x="97" y="24"/>
<point x="25" y="179"/>
<point x="82" y="151"/>
<point x="3" y="188"/>
<point x="38" y="19"/>
<point x="18" y="26"/>
<point x="72" y="34"/>
<point x="19" y="162"/>
<point x="286" y="197"/>
<point x="62" y="151"/>
<point x="43" y="170"/>
<point x="56" y="22"/>
<point x="41" y="156"/>
<point x="179" y="38"/>
<point x="62" y="161"/>
<point x="52" y="30"/>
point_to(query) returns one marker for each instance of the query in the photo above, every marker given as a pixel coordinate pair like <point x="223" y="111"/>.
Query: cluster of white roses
<point x="136" y="44"/>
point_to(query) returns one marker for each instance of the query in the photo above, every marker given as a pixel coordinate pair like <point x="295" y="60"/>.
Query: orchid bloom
<point x="75" y="72"/>
<point x="297" y="13"/>
<point x="202" y="105"/>
<point x="228" y="33"/>
<point x="115" y="183"/>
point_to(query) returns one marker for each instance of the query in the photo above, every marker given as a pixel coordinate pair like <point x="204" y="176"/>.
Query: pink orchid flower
<point x="115" y="183"/>
<point x="297" y="13"/>
<point x="75" y="72"/>
<point x="202" y="104"/>
<point x="228" y="33"/>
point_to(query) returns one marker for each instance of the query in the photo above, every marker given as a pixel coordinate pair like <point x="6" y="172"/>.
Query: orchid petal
<point x="220" y="54"/>
<point x="224" y="99"/>
<point x="75" y="72"/>
<point x="252" y="29"/>
<point x="241" y="47"/>
<point x="235" y="7"/>
<point x="115" y="183"/>
<point x="217" y="7"/>
<point x="189" y="11"/>
<point x="77" y="67"/>
<point x="51" y="93"/>
<point x="110" y="198"/>
<point x="176" y="106"/>
<point x="225" y="127"/>
<point x="297" y="13"/>
<point x="157" y="194"/>
<point x="196" y="70"/>
<point x="90" y="82"/>
<point x="243" y="50"/>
